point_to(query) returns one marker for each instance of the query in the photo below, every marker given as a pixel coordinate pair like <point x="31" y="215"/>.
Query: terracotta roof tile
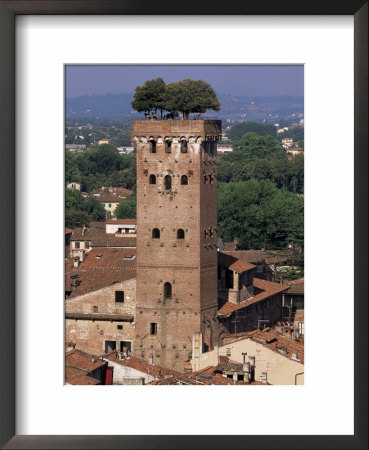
<point x="97" y="272"/>
<point x="274" y="341"/>
<point x="265" y="290"/>
<point x="233" y="263"/>
<point x="121" y="221"/>
<point x="226" y="363"/>
<point x="296" y="287"/>
<point x="119" y="191"/>
<point x="206" y="376"/>
<point x="142" y="366"/>
<point x="79" y="377"/>
<point x="108" y="198"/>
<point x="78" y="359"/>
<point x="258" y="256"/>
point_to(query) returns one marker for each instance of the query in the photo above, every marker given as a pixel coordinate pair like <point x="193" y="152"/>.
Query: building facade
<point x="176" y="238"/>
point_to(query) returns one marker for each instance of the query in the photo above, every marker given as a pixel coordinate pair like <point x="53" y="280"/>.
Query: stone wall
<point x="90" y="335"/>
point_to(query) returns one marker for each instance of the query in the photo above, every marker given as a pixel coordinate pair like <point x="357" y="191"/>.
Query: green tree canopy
<point x="126" y="208"/>
<point x="186" y="96"/>
<point x="151" y="96"/>
<point x="191" y="96"/>
<point x="80" y="210"/>
<point x="238" y="130"/>
<point x="259" y="215"/>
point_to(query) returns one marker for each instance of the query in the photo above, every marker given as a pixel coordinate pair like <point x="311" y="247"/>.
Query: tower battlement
<point x="196" y="129"/>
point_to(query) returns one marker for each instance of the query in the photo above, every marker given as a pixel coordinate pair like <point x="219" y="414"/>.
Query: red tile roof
<point x="68" y="231"/>
<point x="79" y="377"/>
<point x="108" y="198"/>
<point x="122" y="221"/>
<point x="118" y="191"/>
<point x="296" y="287"/>
<point x="142" y="366"/>
<point x="206" y="376"/>
<point x="233" y="263"/>
<point x="273" y="340"/>
<point x="78" y="359"/>
<point x="226" y="363"/>
<point x="97" y="272"/>
<point x="265" y="290"/>
<point x="258" y="256"/>
<point x="99" y="238"/>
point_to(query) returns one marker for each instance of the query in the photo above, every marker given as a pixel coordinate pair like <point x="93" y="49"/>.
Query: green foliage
<point x="186" y="96"/>
<point x="259" y="215"/>
<point x="191" y="96"/>
<point x="101" y="166"/>
<point x="150" y="97"/>
<point x="126" y="208"/>
<point x="79" y="209"/>
<point x="262" y="158"/>
<point x="237" y="131"/>
<point x="72" y="172"/>
<point x="75" y="219"/>
<point x="252" y="147"/>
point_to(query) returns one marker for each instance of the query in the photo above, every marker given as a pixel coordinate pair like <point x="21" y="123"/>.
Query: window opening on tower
<point x="152" y="146"/>
<point x="183" y="146"/>
<point x="168" y="182"/>
<point x="167" y="291"/>
<point x="180" y="234"/>
<point x="184" y="180"/>
<point x="152" y="179"/>
<point x="156" y="233"/>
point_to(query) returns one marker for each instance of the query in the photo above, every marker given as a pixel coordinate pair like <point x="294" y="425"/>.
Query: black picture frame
<point x="8" y="11"/>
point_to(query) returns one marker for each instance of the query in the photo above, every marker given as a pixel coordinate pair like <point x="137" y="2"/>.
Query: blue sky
<point x="254" y="80"/>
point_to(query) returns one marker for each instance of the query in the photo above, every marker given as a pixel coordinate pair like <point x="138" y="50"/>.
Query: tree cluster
<point x="260" y="215"/>
<point x="81" y="210"/>
<point x="101" y="166"/>
<point x="186" y="96"/>
<point x="126" y="208"/>
<point x="262" y="158"/>
<point x="240" y="129"/>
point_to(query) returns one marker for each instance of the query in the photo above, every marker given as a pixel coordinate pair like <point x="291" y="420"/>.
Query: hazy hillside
<point x="249" y="108"/>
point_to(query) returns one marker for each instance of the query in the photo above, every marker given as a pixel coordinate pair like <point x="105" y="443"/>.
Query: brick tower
<point x="176" y="239"/>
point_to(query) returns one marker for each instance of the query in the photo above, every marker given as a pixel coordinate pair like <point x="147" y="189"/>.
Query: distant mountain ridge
<point x="119" y="105"/>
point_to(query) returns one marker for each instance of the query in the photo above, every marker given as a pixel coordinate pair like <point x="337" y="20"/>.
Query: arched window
<point x="183" y="146"/>
<point x="211" y="179"/>
<point x="167" y="291"/>
<point x="205" y="179"/>
<point x="168" y="182"/>
<point x="180" y="234"/>
<point x="152" y="179"/>
<point x="156" y="233"/>
<point x="168" y="146"/>
<point x="205" y="234"/>
<point x="184" y="180"/>
<point x="152" y="146"/>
